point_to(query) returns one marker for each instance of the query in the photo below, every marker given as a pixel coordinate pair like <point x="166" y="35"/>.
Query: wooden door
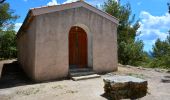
<point x="78" y="47"/>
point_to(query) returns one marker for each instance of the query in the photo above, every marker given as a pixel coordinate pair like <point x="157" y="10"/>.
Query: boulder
<point x="168" y="71"/>
<point x="124" y="87"/>
<point x="166" y="79"/>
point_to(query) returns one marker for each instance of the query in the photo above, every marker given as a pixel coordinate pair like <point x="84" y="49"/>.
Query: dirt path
<point x="157" y="90"/>
<point x="91" y="89"/>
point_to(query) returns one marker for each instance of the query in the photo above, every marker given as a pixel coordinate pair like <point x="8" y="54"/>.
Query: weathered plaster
<point x="51" y="43"/>
<point x="26" y="49"/>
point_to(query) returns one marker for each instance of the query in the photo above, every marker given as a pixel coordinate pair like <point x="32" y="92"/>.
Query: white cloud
<point x="25" y="0"/>
<point x="155" y="22"/>
<point x="17" y="26"/>
<point x="93" y="2"/>
<point x="153" y="27"/>
<point x="53" y="2"/>
<point x="69" y="1"/>
<point x="96" y="2"/>
<point x="116" y="0"/>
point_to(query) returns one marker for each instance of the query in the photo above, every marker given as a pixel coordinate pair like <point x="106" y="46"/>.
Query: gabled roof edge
<point x="100" y="12"/>
<point x="26" y="22"/>
<point x="49" y="9"/>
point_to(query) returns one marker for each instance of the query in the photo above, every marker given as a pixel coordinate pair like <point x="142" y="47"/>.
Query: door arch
<point x="78" y="48"/>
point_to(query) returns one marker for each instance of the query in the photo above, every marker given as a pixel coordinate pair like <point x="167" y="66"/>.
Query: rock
<point x="124" y="87"/>
<point x="120" y="65"/>
<point x="168" y="71"/>
<point x="141" y="68"/>
<point x="109" y="74"/>
<point x="166" y="79"/>
<point x="128" y="66"/>
<point x="160" y="70"/>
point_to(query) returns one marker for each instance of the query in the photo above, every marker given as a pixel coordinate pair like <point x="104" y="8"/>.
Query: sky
<point x="153" y="16"/>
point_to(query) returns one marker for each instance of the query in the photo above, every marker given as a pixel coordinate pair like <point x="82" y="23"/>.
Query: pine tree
<point x="169" y="7"/>
<point x="7" y="33"/>
<point x="1" y="1"/>
<point x="130" y="51"/>
<point x="161" y="53"/>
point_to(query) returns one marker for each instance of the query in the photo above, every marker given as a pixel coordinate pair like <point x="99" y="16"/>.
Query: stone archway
<point x="78" y="48"/>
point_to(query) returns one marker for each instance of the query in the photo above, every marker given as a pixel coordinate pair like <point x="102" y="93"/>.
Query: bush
<point x="8" y="45"/>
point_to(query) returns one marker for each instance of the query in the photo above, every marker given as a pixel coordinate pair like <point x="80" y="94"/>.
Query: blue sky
<point x="154" y="19"/>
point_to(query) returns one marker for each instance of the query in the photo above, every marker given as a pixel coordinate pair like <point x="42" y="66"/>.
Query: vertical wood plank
<point x="78" y="51"/>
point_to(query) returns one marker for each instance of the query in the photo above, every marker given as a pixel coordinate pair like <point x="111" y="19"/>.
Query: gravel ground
<point x="91" y="89"/>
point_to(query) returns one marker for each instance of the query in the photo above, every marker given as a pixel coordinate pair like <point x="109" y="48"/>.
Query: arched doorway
<point x="77" y="48"/>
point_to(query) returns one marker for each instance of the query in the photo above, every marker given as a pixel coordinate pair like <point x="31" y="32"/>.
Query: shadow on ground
<point x="13" y="75"/>
<point x="104" y="95"/>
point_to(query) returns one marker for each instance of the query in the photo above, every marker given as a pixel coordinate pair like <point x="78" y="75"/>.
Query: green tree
<point x="130" y="51"/>
<point x="7" y="33"/>
<point x="169" y="7"/>
<point x="1" y="1"/>
<point x="7" y="17"/>
<point x="8" y="44"/>
<point x="161" y="53"/>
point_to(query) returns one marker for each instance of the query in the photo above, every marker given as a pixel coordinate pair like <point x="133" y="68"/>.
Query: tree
<point x="161" y="53"/>
<point x="7" y="17"/>
<point x="8" y="44"/>
<point x="1" y="1"/>
<point x="7" y="33"/>
<point x="130" y="51"/>
<point x="169" y="7"/>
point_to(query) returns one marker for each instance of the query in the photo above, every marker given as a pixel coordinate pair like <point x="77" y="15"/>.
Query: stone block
<point x="124" y="87"/>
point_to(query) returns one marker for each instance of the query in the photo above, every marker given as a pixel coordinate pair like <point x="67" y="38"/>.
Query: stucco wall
<point x="51" y="55"/>
<point x="105" y="47"/>
<point x="26" y="50"/>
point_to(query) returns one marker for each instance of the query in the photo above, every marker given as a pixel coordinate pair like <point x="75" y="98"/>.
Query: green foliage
<point x="130" y="51"/>
<point x="7" y="16"/>
<point x="169" y="7"/>
<point x="1" y="1"/>
<point x="7" y="33"/>
<point x="161" y="53"/>
<point x="8" y="44"/>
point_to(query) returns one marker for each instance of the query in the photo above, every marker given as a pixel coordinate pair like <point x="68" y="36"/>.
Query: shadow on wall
<point x="12" y="75"/>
